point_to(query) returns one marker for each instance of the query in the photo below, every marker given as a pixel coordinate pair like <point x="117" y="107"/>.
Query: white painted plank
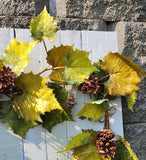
<point x="10" y="144"/>
<point x="35" y="142"/>
<point x="99" y="43"/>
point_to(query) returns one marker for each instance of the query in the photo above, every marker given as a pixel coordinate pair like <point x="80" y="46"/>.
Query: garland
<point x="35" y="101"/>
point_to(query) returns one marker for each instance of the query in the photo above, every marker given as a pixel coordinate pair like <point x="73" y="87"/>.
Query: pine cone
<point x="104" y="143"/>
<point x="90" y="85"/>
<point x="6" y="79"/>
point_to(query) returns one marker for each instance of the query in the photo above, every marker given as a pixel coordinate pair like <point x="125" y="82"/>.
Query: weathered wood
<point x="39" y="143"/>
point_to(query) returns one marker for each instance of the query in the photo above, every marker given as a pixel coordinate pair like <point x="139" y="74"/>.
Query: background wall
<point x="127" y="17"/>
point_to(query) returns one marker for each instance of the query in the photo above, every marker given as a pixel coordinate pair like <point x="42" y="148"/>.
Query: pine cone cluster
<point x="105" y="145"/>
<point x="6" y="79"/>
<point x="90" y="85"/>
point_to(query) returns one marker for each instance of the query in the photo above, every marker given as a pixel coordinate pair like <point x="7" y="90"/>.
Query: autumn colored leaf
<point x="10" y="119"/>
<point x="50" y="119"/>
<point x="124" y="151"/>
<point x="1" y="64"/>
<point x="94" y="109"/>
<point x="124" y="76"/>
<point x="87" y="152"/>
<point x="16" y="54"/>
<point x="36" y="98"/>
<point x="43" y="27"/>
<point x="131" y="99"/>
<point x="55" y="57"/>
<point x="78" y="140"/>
<point x="78" y="67"/>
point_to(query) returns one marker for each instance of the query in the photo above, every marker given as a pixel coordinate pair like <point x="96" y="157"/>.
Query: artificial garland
<point x="35" y="101"/>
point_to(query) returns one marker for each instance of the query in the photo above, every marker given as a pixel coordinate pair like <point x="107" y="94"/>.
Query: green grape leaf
<point x="78" y="67"/>
<point x="124" y="75"/>
<point x="55" y="57"/>
<point x="1" y="64"/>
<point x="124" y="151"/>
<point x="16" y="54"/>
<point x="94" y="110"/>
<point x="43" y="27"/>
<point x="10" y="119"/>
<point x="92" y="133"/>
<point x="36" y="98"/>
<point x="54" y="117"/>
<point x="78" y="140"/>
<point x="87" y="152"/>
<point x="131" y="99"/>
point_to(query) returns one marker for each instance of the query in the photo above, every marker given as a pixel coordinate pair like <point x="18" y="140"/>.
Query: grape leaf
<point x="43" y="27"/>
<point x="78" y="140"/>
<point x="10" y="119"/>
<point x="123" y="77"/>
<point x="54" y="117"/>
<point x="1" y="64"/>
<point x="55" y="57"/>
<point x="36" y="98"/>
<point x="16" y="54"/>
<point x="92" y="133"/>
<point x="124" y="151"/>
<point x="94" y="110"/>
<point x="78" y="67"/>
<point x="87" y="152"/>
<point x="131" y="99"/>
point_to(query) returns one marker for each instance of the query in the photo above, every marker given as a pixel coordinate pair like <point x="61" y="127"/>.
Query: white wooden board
<point x="39" y="143"/>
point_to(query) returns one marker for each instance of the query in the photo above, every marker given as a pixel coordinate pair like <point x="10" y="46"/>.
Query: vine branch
<point x="52" y="68"/>
<point x="104" y="77"/>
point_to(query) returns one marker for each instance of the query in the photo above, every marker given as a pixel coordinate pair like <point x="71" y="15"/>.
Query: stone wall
<point x="127" y="17"/>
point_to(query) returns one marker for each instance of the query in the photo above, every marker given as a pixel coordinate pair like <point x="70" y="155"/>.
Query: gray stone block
<point x="39" y="5"/>
<point x="81" y="24"/>
<point x="108" y="10"/>
<point x="17" y="7"/>
<point x="135" y="135"/>
<point x="15" y="22"/>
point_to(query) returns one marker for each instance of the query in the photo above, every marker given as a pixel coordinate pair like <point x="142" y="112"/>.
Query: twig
<point x="104" y="77"/>
<point x="45" y="45"/>
<point x="104" y="95"/>
<point x="52" y="68"/>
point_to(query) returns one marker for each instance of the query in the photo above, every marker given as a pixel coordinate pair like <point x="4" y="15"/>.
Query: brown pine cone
<point x="90" y="85"/>
<point x="6" y="79"/>
<point x="105" y="144"/>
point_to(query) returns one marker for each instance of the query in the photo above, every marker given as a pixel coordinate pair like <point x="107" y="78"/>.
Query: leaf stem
<point x="52" y="68"/>
<point x="104" y="77"/>
<point x="45" y="45"/>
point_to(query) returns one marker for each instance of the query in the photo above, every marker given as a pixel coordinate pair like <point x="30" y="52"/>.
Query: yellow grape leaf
<point x="1" y="64"/>
<point x="123" y="77"/>
<point x="43" y="27"/>
<point x="131" y="99"/>
<point x="16" y="54"/>
<point x="78" y="67"/>
<point x="36" y="98"/>
<point x="55" y="57"/>
<point x="94" y="110"/>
